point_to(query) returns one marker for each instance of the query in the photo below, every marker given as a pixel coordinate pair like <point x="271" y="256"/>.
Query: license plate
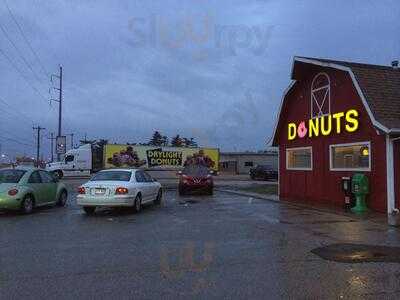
<point x="99" y="191"/>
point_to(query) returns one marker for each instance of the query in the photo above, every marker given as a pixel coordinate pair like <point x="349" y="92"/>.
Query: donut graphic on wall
<point x="126" y="157"/>
<point x="199" y="158"/>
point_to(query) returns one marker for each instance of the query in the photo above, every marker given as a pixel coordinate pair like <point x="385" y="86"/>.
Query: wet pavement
<point x="221" y="246"/>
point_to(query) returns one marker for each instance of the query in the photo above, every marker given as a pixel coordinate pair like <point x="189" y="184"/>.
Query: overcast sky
<point x="212" y="70"/>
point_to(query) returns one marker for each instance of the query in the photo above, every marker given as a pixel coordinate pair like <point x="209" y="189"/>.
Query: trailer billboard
<point x="154" y="157"/>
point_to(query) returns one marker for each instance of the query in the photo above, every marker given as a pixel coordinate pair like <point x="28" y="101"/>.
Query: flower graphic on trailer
<point x="320" y="95"/>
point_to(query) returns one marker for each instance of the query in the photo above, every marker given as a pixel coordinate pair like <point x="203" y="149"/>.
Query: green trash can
<point x="360" y="188"/>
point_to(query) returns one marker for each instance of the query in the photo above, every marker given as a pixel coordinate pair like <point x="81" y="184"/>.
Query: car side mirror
<point x="179" y="173"/>
<point x="154" y="180"/>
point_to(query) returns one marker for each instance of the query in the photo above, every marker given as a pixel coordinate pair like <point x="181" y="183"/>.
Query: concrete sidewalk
<point x="372" y="216"/>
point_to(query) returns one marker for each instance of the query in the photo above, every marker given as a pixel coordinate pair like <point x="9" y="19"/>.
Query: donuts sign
<point x="324" y="125"/>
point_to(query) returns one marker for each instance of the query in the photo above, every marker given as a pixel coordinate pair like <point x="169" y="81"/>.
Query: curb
<point x="272" y="198"/>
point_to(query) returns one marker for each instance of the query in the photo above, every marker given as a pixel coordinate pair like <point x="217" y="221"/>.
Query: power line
<point x="8" y="132"/>
<point x="13" y="111"/>
<point x="19" y="53"/>
<point x="21" y="74"/>
<point x="16" y="141"/>
<point x="7" y="114"/>
<point x="26" y="39"/>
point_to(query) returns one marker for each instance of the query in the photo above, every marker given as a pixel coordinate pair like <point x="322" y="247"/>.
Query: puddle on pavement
<point x="186" y="202"/>
<point x="358" y="253"/>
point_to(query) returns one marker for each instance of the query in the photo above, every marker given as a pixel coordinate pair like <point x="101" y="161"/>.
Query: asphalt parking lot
<point x="222" y="246"/>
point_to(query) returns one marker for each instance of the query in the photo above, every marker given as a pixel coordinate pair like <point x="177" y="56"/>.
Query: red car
<point x="195" y="178"/>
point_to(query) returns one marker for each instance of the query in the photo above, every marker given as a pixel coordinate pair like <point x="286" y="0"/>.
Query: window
<point x="35" y="178"/>
<point x="350" y="157"/>
<point x="299" y="158"/>
<point x="140" y="176"/>
<point x="11" y="176"/>
<point x="69" y="158"/>
<point x="46" y="177"/>
<point x="248" y="164"/>
<point x="320" y="96"/>
<point x="147" y="177"/>
<point x="112" y="176"/>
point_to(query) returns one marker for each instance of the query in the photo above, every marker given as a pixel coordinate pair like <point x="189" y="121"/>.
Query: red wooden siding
<point x="322" y="185"/>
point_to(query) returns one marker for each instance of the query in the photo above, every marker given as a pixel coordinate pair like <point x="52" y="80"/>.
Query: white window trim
<point x="365" y="143"/>
<point x="328" y="95"/>
<point x="299" y="169"/>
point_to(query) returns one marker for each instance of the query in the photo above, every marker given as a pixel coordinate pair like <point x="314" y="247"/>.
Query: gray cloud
<point x="214" y="70"/>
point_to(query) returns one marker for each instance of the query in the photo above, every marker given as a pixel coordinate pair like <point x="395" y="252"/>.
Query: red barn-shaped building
<point x="338" y="118"/>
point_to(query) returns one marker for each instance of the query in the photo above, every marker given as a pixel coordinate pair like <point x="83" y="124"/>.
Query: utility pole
<point x="38" y="143"/>
<point x="59" y="100"/>
<point x="52" y="138"/>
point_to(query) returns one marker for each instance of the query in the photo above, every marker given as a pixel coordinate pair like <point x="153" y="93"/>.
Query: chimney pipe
<point x="395" y="64"/>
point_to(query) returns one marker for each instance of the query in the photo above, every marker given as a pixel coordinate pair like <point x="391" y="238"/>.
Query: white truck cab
<point x="76" y="162"/>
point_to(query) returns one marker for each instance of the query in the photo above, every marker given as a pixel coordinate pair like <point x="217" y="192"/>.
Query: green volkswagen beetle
<point x="24" y="189"/>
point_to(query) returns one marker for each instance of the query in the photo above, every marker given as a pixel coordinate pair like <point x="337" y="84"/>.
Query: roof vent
<point x="395" y="64"/>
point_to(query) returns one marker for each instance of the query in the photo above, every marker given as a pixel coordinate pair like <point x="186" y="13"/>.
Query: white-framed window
<point x="299" y="158"/>
<point x="320" y="95"/>
<point x="350" y="157"/>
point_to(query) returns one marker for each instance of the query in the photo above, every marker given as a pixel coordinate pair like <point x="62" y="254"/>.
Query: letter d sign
<point x="291" y="131"/>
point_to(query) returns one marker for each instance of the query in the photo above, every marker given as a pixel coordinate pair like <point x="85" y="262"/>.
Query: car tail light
<point x="81" y="190"/>
<point x="121" y="191"/>
<point x="13" y="192"/>
<point x="185" y="179"/>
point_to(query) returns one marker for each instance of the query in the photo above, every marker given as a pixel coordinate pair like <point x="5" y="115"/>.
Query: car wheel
<point x="137" y="206"/>
<point x="158" y="198"/>
<point x="62" y="199"/>
<point x="27" y="205"/>
<point x="89" y="210"/>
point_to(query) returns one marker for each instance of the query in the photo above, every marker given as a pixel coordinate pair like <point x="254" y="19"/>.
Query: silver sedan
<point x="119" y="188"/>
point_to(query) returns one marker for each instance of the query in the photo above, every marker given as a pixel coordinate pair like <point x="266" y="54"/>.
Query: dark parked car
<point x="195" y="178"/>
<point x="264" y="172"/>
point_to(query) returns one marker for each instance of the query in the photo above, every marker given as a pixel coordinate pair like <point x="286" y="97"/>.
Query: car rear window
<point x="196" y="170"/>
<point x="112" y="176"/>
<point x="11" y="176"/>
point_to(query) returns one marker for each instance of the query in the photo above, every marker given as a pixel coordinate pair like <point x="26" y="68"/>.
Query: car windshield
<point x="11" y="176"/>
<point x="195" y="170"/>
<point x="112" y="176"/>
